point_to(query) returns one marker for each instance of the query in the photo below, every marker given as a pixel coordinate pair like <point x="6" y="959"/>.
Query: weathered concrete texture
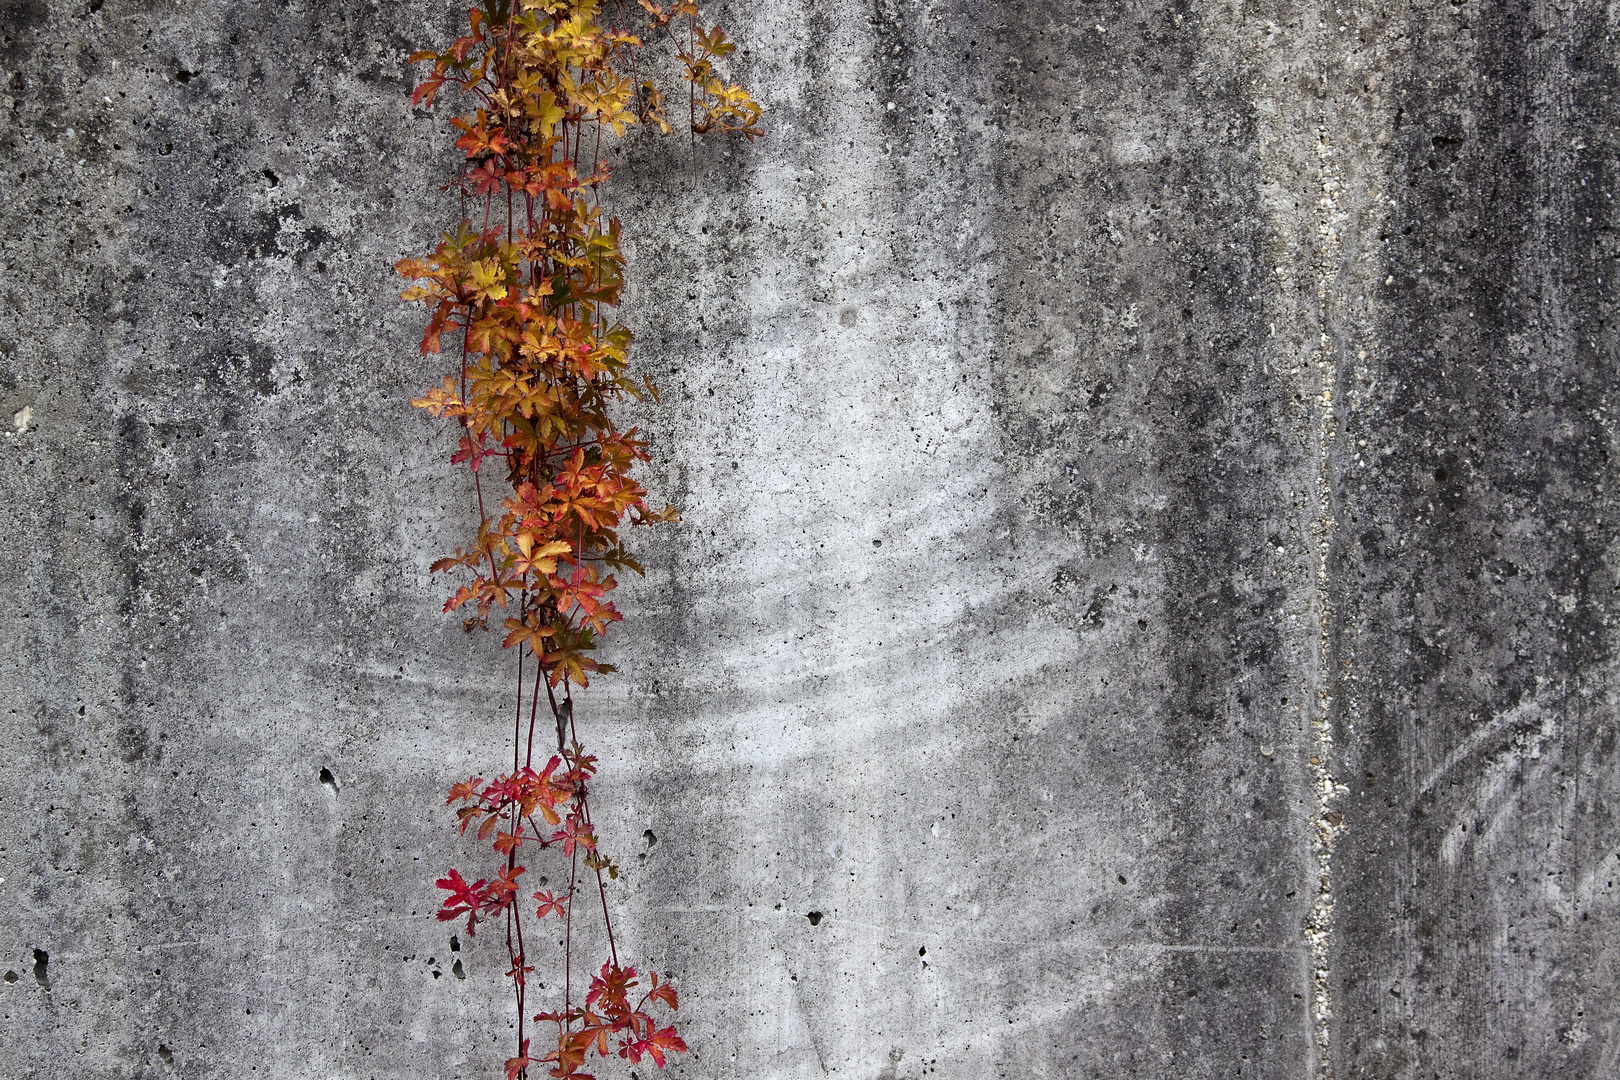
<point x="1145" y="576"/>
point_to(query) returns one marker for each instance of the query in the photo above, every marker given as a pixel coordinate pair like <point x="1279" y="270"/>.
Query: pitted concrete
<point x="1144" y="584"/>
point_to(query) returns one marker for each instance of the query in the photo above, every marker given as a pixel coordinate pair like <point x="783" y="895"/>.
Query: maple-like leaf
<point x="609" y="988"/>
<point x="574" y="832"/>
<point x="467" y="789"/>
<point x="550" y="904"/>
<point x="657" y="1043"/>
<point x="663" y="992"/>
<point x="516" y="1065"/>
<point x="486" y="179"/>
<point x="464" y="899"/>
<point x="519" y="971"/>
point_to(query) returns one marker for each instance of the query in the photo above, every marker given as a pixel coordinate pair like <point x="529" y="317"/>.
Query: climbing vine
<point x="524" y="286"/>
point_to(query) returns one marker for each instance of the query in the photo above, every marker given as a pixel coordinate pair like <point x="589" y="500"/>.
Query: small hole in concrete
<point x="166" y="1054"/>
<point x="457" y="970"/>
<point x="923" y="951"/>
<point x="455" y="943"/>
<point x="649" y="837"/>
<point x="328" y="779"/>
<point x="42" y="968"/>
<point x="1122" y="880"/>
<point x="815" y="918"/>
<point x="12" y="976"/>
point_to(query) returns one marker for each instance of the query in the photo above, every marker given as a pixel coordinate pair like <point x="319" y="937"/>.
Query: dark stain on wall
<point x="1473" y="576"/>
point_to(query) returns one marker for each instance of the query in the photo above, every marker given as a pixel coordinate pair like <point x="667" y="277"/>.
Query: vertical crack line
<point x="1327" y="823"/>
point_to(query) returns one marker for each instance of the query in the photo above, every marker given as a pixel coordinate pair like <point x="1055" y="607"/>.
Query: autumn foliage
<point x="523" y="289"/>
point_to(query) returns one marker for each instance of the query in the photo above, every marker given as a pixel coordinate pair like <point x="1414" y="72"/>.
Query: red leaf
<point x="574" y="833"/>
<point x="464" y="899"/>
<point x="660" y="1041"/>
<point x="519" y="1063"/>
<point x="663" y="992"/>
<point x="608" y="990"/>
<point x="465" y="790"/>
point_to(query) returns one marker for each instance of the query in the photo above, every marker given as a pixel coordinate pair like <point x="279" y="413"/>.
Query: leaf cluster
<point x="543" y="361"/>
<point x="608" y="1021"/>
<point x="523" y="291"/>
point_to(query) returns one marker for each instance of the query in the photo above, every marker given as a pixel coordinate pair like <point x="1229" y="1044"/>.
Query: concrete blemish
<point x="1501" y="778"/>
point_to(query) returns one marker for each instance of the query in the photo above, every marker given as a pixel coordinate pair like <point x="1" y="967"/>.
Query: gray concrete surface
<point x="1146" y="577"/>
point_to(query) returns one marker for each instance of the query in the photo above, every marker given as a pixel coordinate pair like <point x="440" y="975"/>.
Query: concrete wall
<point x="1146" y="579"/>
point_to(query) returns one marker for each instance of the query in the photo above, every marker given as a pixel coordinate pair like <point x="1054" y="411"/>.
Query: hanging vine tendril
<point x="524" y="286"/>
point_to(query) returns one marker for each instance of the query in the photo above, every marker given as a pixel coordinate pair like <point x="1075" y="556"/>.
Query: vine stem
<point x="601" y="888"/>
<point x="691" y="92"/>
<point x="568" y="941"/>
<point x="534" y="705"/>
<point x="518" y="721"/>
